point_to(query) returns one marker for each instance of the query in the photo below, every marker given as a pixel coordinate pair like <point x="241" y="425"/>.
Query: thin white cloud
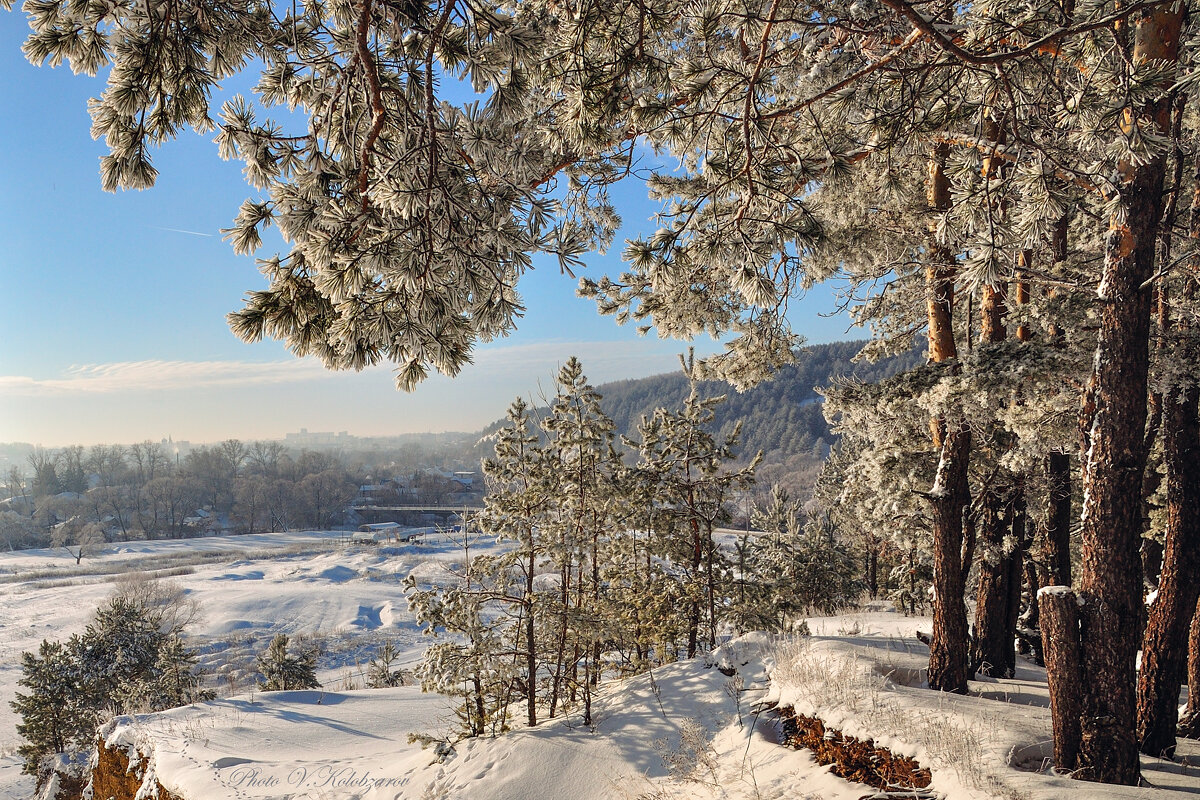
<point x="142" y="376"/>
<point x="602" y="361"/>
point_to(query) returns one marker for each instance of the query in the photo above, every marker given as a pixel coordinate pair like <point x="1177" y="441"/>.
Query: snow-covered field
<point x="348" y="597"/>
<point x="687" y="730"/>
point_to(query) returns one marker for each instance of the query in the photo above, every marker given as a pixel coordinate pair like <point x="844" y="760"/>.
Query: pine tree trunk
<point x="530" y="639"/>
<point x="477" y="726"/>
<point x="1163" y="653"/>
<point x="948" y="644"/>
<point x="1115" y="458"/>
<point x="998" y="600"/>
<point x="596" y="645"/>
<point x="1029" y="625"/>
<point x="1051" y="554"/>
<point x="992" y="645"/>
<point x="873" y="571"/>
<point x="950" y="494"/>
<point x="1016" y="574"/>
<point x="693" y="614"/>
<point x="711" y="586"/>
<point x="993" y="641"/>
<point x="1056" y="535"/>
<point x="1151" y="548"/>
<point x="1170" y="615"/>
<point x="1189" y="726"/>
<point x="560" y="655"/>
<point x="1060" y="642"/>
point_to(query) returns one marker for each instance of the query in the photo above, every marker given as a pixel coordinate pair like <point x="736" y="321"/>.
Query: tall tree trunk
<point x="1189" y="726"/>
<point x="1016" y="575"/>
<point x="710" y="581"/>
<point x="1054" y="552"/>
<point x="561" y="653"/>
<point x="992" y="640"/>
<point x="530" y="637"/>
<point x="693" y="612"/>
<point x="873" y="568"/>
<point x="1163" y="648"/>
<point x="950" y="494"/>
<point x="992" y="647"/>
<point x="1114" y="459"/>
<point x="1056" y="531"/>
<point x="1029" y="624"/>
<point x="1163" y="645"/>
<point x="948" y="645"/>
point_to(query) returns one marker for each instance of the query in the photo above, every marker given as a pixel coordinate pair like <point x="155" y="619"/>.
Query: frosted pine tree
<point x="581" y="446"/>
<point x="57" y="713"/>
<point x="521" y="500"/>
<point x="765" y="593"/>
<point x="174" y="681"/>
<point x="384" y="670"/>
<point x="692" y="480"/>
<point x="647" y="599"/>
<point x="473" y="661"/>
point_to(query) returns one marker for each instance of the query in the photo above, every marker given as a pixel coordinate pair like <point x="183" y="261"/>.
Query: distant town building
<point x="305" y="438"/>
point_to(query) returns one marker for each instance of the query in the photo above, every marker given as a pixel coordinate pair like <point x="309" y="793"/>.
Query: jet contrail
<point x="181" y="230"/>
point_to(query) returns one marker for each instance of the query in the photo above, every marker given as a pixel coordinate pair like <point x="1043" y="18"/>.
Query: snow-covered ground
<point x="348" y="598"/>
<point x="687" y="730"/>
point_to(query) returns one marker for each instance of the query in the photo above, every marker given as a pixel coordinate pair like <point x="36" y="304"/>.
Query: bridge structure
<point x="429" y="509"/>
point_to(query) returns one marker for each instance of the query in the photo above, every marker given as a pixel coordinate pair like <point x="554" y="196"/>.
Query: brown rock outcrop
<point x="116" y="778"/>
<point x="853" y="759"/>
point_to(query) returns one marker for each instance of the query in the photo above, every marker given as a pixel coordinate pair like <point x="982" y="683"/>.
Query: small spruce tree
<point x="283" y="671"/>
<point x="56" y="714"/>
<point x="383" y="671"/>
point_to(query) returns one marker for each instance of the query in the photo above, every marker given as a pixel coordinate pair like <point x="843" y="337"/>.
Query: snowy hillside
<point x="704" y="728"/>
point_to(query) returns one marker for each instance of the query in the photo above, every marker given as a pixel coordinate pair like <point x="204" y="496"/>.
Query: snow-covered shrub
<point x="693" y="759"/>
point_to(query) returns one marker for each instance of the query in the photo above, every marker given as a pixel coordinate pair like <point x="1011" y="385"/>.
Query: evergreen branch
<point x="1047" y="43"/>
<point x="368" y="62"/>
<point x="995" y="150"/>
<point x="891" y="56"/>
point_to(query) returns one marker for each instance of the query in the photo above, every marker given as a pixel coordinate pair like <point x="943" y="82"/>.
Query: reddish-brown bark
<point x="1115" y="458"/>
<point x="950" y="493"/>
<point x="1163" y="651"/>
<point x="1060" y="644"/>
<point x="1189" y="725"/>
<point x="1163" y="645"/>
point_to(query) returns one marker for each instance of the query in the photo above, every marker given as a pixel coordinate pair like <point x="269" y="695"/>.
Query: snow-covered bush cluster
<point x="130" y="658"/>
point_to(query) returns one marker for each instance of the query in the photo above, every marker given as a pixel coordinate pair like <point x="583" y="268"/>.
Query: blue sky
<point x="112" y="305"/>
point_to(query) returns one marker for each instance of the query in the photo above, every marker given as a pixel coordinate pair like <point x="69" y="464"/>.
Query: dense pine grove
<point x="616" y="561"/>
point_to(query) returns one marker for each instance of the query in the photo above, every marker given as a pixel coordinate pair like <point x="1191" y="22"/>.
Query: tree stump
<point x="1059" y="611"/>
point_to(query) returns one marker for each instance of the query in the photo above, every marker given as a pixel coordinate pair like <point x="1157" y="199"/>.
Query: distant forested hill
<point x="781" y="417"/>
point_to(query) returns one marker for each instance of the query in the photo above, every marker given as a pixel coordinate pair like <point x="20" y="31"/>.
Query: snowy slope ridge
<point x="675" y="733"/>
<point x="868" y="682"/>
<point x="686" y="730"/>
